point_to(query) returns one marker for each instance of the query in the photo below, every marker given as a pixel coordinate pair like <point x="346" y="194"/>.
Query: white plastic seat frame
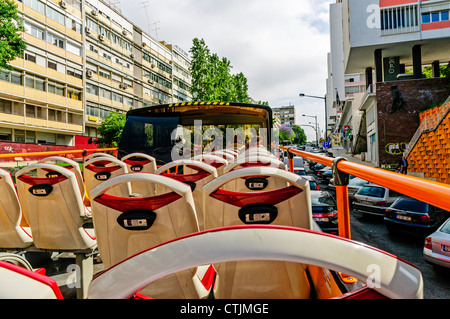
<point x="12" y="234"/>
<point x="21" y="283"/>
<point x="54" y="209"/>
<point x="217" y="161"/>
<point x="73" y="166"/>
<point x="285" y="201"/>
<point x="396" y="278"/>
<point x="56" y="217"/>
<point x="97" y="154"/>
<point x="140" y="163"/>
<point x="205" y="173"/>
<point x="94" y="174"/>
<point x="225" y="154"/>
<point x="126" y="226"/>
<point x="254" y="160"/>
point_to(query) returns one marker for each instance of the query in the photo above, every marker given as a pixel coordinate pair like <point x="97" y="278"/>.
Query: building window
<point x="19" y="136"/>
<point x="35" y="5"/>
<point x="74" y="93"/>
<point x="52" y="65"/>
<point x="55" y="40"/>
<point x="55" y="15"/>
<point x="435" y="16"/>
<point x="92" y="89"/>
<point x="34" y="82"/>
<point x="55" y="88"/>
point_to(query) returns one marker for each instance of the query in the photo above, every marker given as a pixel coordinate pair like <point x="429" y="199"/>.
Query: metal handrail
<point x="12" y="155"/>
<point x="434" y="193"/>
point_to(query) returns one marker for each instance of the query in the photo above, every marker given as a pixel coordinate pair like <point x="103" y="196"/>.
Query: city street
<point x="371" y="230"/>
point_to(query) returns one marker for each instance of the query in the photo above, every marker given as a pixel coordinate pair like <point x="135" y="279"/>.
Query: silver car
<point x="353" y="186"/>
<point x="436" y="249"/>
<point x="373" y="199"/>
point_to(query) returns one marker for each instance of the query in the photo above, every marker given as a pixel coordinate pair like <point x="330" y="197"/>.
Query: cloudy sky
<point x="280" y="46"/>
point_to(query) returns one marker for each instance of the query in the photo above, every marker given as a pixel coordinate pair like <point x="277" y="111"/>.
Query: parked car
<point x="412" y="216"/>
<point x="317" y="168"/>
<point x="300" y="171"/>
<point x="325" y="174"/>
<point x="313" y="185"/>
<point x="354" y="184"/>
<point x="324" y="211"/>
<point x="436" y="249"/>
<point x="373" y="199"/>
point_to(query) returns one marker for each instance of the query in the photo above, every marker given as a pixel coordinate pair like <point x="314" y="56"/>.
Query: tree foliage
<point x="300" y="136"/>
<point x="11" y="43"/>
<point x="212" y="79"/>
<point x="285" y="133"/>
<point x="111" y="130"/>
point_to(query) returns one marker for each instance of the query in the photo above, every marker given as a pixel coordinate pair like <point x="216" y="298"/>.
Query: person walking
<point x="403" y="165"/>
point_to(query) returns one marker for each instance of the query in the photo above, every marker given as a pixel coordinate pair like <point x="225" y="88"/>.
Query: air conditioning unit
<point x="89" y="73"/>
<point x="132" y="55"/>
<point x="94" y="12"/>
<point x="124" y="32"/>
<point x="143" y="44"/>
<point x="151" y="81"/>
<point x="63" y="4"/>
<point x="153" y="66"/>
<point x="123" y="85"/>
<point x="101" y="37"/>
<point x="88" y="30"/>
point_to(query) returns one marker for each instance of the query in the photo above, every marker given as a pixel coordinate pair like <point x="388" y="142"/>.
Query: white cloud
<point x="280" y="46"/>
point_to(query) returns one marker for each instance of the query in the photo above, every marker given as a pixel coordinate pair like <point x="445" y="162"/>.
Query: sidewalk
<point x="352" y="158"/>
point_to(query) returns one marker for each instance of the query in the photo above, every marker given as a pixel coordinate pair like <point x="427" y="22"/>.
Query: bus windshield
<point x="171" y="132"/>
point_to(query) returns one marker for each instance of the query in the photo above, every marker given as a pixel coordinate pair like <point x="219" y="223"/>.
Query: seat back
<point x="195" y="174"/>
<point x="97" y="154"/>
<point x="53" y="207"/>
<point x="287" y="206"/>
<point x="224" y="154"/>
<point x="216" y="161"/>
<point x="254" y="160"/>
<point x="12" y="233"/>
<point x="126" y="226"/>
<point x="21" y="283"/>
<point x="140" y="163"/>
<point x="72" y="165"/>
<point x="100" y="169"/>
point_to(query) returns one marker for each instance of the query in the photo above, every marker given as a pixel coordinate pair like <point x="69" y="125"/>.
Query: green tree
<point x="111" y="130"/>
<point x="285" y="133"/>
<point x="11" y="43"/>
<point x="300" y="136"/>
<point x="212" y="79"/>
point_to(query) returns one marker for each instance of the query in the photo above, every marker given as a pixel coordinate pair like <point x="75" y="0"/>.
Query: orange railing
<point x="434" y="193"/>
<point x="51" y="153"/>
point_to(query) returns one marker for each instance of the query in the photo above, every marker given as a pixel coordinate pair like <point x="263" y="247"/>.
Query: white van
<point x="298" y="162"/>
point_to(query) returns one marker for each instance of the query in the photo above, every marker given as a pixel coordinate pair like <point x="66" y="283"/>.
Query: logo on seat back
<point x="102" y="176"/>
<point x="258" y="214"/>
<point x="137" y="219"/>
<point x="41" y="190"/>
<point x="256" y="184"/>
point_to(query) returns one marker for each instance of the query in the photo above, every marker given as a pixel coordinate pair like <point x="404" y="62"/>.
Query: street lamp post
<point x="326" y="120"/>
<point x="317" y="131"/>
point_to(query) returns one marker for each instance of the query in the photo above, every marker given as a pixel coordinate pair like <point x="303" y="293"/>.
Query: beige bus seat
<point x="288" y="206"/>
<point x="126" y="226"/>
<point x="216" y="161"/>
<point x="53" y="207"/>
<point x="195" y="174"/>
<point x="226" y="155"/>
<point x="22" y="283"/>
<point x="100" y="169"/>
<point x="254" y="160"/>
<point x="97" y="154"/>
<point x="140" y="163"/>
<point x="13" y="235"/>
<point x="73" y="166"/>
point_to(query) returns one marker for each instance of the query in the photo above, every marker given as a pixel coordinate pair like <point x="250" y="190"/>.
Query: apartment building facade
<point x="286" y="114"/>
<point x="83" y="60"/>
<point x="390" y="43"/>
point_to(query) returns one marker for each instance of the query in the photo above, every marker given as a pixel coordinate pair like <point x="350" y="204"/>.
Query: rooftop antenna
<point x="156" y="29"/>
<point x="146" y="4"/>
